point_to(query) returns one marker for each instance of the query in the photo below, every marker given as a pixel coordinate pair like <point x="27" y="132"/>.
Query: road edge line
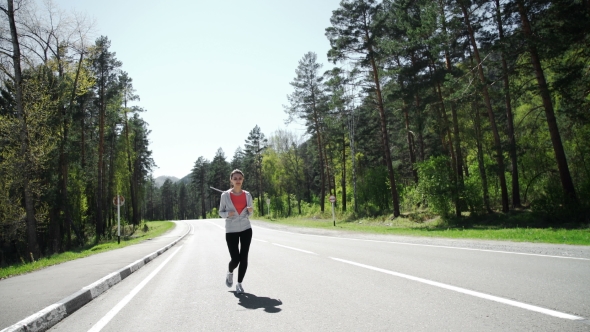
<point x="46" y="318"/>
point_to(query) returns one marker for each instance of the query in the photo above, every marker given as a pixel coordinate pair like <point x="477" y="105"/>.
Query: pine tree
<point x="255" y="144"/>
<point x="308" y="102"/>
<point x="356" y="28"/>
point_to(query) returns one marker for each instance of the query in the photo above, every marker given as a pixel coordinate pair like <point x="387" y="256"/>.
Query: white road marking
<point x="305" y="251"/>
<point x="430" y="245"/>
<point x="469" y="292"/>
<point x="113" y="312"/>
<point x="212" y="223"/>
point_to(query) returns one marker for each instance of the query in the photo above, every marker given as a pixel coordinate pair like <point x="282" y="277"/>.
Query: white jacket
<point x="235" y="223"/>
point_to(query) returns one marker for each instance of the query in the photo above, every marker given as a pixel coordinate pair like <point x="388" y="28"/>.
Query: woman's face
<point x="237" y="179"/>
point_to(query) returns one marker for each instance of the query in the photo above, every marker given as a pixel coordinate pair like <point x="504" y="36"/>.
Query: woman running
<point x="236" y="207"/>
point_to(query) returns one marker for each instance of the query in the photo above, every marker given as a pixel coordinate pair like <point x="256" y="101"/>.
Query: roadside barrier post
<point x="333" y="200"/>
<point x="118" y="201"/>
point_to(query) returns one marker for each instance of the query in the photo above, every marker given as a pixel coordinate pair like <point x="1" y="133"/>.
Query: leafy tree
<point x="17" y="79"/>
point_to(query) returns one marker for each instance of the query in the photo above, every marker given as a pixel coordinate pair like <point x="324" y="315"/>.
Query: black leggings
<point x="239" y="257"/>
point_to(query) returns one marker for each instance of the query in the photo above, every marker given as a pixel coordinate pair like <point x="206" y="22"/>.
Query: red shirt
<point x="239" y="201"/>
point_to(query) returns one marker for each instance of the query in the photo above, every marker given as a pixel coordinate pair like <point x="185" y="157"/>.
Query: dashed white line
<point x="113" y="312"/>
<point x="469" y="292"/>
<point x="305" y="251"/>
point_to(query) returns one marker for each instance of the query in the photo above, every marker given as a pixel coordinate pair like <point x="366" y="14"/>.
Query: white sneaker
<point x="239" y="288"/>
<point x="229" y="279"/>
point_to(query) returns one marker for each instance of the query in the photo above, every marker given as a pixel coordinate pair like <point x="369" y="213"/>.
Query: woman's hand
<point x="250" y="209"/>
<point x="231" y="214"/>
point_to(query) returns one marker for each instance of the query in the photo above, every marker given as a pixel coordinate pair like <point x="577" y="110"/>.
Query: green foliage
<point x="436" y="184"/>
<point x="373" y="190"/>
<point x="552" y="206"/>
<point x="411" y="198"/>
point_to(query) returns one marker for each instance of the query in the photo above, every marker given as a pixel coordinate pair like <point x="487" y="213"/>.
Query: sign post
<point x="333" y="200"/>
<point x="118" y="201"/>
<point x="268" y="204"/>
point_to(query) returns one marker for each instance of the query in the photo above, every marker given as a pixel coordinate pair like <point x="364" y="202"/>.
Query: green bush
<point x="436" y="184"/>
<point x="411" y="198"/>
<point x="554" y="206"/>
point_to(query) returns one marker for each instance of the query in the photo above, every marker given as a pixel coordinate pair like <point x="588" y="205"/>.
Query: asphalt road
<point x="331" y="281"/>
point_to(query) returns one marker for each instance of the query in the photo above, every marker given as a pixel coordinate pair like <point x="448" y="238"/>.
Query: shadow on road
<point x="251" y="301"/>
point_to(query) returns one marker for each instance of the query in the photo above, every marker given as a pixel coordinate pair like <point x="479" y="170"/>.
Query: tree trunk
<point x="564" y="173"/>
<point x="410" y="142"/>
<point x="31" y="222"/>
<point x="409" y="137"/>
<point x="321" y="159"/>
<point x="384" y="134"/>
<point x="509" y="117"/>
<point x="458" y="157"/>
<point x="480" y="154"/>
<point x="343" y="182"/>
<point x="64" y="164"/>
<point x="497" y="142"/>
<point x="351" y="125"/>
<point x="135" y="213"/>
<point x="100" y="168"/>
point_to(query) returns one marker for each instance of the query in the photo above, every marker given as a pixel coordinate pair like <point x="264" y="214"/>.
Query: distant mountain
<point x="161" y="179"/>
<point x="187" y="179"/>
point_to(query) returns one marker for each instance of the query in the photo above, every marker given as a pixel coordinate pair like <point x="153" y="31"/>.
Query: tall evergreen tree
<point x="254" y="147"/>
<point x="558" y="149"/>
<point x="308" y="102"/>
<point x="356" y="27"/>
<point x="199" y="176"/>
<point x="104" y="66"/>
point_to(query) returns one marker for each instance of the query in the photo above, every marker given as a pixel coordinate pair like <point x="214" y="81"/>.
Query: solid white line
<point x="430" y="245"/>
<point x="469" y="292"/>
<point x="212" y="223"/>
<point x="305" y="251"/>
<point x="111" y="314"/>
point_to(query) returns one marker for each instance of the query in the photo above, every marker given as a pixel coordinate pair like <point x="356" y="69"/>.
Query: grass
<point x="154" y="228"/>
<point x="515" y="226"/>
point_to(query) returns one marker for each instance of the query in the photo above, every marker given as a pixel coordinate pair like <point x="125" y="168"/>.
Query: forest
<point x="68" y="140"/>
<point x="451" y="108"/>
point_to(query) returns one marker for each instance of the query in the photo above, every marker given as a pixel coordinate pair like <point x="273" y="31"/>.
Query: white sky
<point x="207" y="72"/>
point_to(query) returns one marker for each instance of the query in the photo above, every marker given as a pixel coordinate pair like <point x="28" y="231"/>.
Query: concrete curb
<point x="53" y="314"/>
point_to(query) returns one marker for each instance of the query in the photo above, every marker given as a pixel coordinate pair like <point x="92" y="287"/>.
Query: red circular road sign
<point x="121" y="200"/>
<point x="332" y="199"/>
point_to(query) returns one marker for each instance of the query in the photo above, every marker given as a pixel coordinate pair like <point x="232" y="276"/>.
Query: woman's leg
<point x="245" y="239"/>
<point x="233" y="239"/>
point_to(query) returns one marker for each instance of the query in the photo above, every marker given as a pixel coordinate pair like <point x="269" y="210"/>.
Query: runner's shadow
<point x="251" y="301"/>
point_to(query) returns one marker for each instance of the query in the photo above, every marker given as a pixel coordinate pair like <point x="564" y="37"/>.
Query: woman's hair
<point x="234" y="172"/>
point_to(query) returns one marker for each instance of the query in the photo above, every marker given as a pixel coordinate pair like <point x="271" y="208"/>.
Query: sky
<point x="208" y="72"/>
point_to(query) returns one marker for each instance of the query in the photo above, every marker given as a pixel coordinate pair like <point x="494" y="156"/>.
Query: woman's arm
<point x="223" y="213"/>
<point x="249" y="203"/>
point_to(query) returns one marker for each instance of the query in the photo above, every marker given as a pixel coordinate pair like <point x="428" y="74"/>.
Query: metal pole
<point x="333" y="215"/>
<point x="118" y="219"/>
